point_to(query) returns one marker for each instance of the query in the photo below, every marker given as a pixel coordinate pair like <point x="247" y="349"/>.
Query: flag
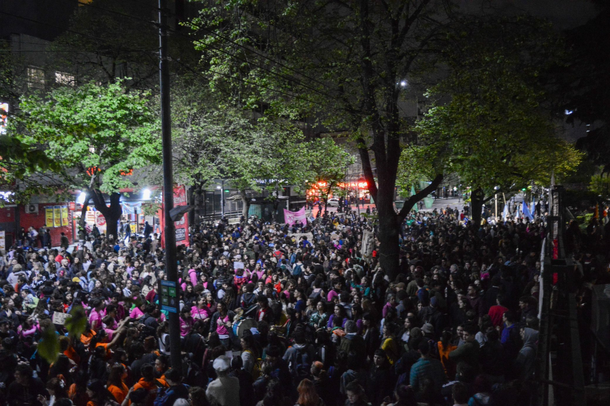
<point x="415" y="207"/>
<point x="505" y="212"/>
<point x="533" y="208"/>
<point x="526" y="211"/>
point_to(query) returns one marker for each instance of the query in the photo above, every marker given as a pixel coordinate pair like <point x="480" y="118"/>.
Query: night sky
<point x="564" y="14"/>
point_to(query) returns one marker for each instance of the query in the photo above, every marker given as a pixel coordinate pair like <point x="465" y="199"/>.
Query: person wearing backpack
<point x="352" y="341"/>
<point x="297" y="269"/>
<point x="300" y="356"/>
<point x="249" y="355"/>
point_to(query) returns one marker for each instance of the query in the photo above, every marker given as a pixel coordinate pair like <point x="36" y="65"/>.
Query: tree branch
<point x="418" y="196"/>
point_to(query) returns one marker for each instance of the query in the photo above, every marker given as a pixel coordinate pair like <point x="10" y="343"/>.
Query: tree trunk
<point x="389" y="249"/>
<point x="390" y="224"/>
<point x="112" y="214"/>
<point x="191" y="198"/>
<point x="83" y="212"/>
<point x="476" y="198"/>
<point x="246" y="204"/>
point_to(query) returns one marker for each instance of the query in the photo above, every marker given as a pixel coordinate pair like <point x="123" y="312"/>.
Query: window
<point x="64" y="78"/>
<point x="35" y="78"/>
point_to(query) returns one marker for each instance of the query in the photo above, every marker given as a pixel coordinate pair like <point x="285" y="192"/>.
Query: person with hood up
<point x="525" y="364"/>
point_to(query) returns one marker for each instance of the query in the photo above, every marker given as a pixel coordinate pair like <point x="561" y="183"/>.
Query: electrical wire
<point x="93" y="6"/>
<point x="177" y="33"/>
<point x="289" y="78"/>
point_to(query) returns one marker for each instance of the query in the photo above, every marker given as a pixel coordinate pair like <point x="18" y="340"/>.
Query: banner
<point x="49" y="217"/>
<point x="368" y="241"/>
<point x="182" y="225"/>
<point x="132" y="208"/>
<point x="291" y="217"/>
<point x="64" y="216"/>
<point x="56" y="216"/>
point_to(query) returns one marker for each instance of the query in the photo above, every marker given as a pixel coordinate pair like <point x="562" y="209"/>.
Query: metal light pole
<point x="222" y="199"/>
<point x="496" y="199"/>
<point x="358" y="195"/>
<point x="168" y="191"/>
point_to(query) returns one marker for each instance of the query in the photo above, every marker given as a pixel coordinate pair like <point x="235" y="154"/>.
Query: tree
<point x="600" y="185"/>
<point x="327" y="165"/>
<point x="497" y="130"/>
<point x="214" y="142"/>
<point x="97" y="133"/>
<point x="110" y="39"/>
<point x="342" y="61"/>
<point x="585" y="85"/>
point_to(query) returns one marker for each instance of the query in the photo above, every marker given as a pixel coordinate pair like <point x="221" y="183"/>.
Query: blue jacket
<point x="167" y="397"/>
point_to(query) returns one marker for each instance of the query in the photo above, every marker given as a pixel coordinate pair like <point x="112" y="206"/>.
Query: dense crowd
<point x="276" y="315"/>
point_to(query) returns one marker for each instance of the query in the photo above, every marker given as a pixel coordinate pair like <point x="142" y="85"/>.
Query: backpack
<point x="194" y="376"/>
<point x="302" y="364"/>
<point x="297" y="270"/>
<point x="256" y="368"/>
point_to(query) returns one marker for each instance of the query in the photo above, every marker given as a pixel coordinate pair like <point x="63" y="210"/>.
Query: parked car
<point x="333" y="201"/>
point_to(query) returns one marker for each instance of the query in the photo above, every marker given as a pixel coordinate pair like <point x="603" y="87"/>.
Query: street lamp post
<point x="168" y="192"/>
<point x="358" y="196"/>
<point x="222" y="199"/>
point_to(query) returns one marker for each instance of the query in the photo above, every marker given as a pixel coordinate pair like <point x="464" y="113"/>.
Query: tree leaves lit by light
<point x="48" y="346"/>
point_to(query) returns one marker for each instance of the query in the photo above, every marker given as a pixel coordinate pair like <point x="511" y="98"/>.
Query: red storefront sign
<point x="182" y="225"/>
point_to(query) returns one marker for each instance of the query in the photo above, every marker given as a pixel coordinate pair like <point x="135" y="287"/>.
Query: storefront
<point x="356" y="191"/>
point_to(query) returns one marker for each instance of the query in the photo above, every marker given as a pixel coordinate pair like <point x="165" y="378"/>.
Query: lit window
<point x="35" y="78"/>
<point x="64" y="78"/>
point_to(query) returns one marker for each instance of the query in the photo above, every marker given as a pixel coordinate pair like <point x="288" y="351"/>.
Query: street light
<point x="496" y="197"/>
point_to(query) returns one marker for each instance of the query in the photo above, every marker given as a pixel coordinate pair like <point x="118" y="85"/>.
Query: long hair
<point x="307" y="394"/>
<point x="116" y="375"/>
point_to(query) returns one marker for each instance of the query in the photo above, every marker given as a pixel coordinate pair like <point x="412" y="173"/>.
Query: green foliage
<point x="339" y="63"/>
<point x="326" y="162"/>
<point x="495" y="130"/>
<point x="48" y="346"/>
<point x="600" y="185"/>
<point x="221" y="142"/>
<point x="77" y="323"/>
<point x="91" y="126"/>
<point x="151" y="209"/>
<point x="418" y="162"/>
<point x="20" y="159"/>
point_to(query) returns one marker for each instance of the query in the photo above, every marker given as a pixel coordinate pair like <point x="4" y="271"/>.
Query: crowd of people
<point x="273" y="314"/>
